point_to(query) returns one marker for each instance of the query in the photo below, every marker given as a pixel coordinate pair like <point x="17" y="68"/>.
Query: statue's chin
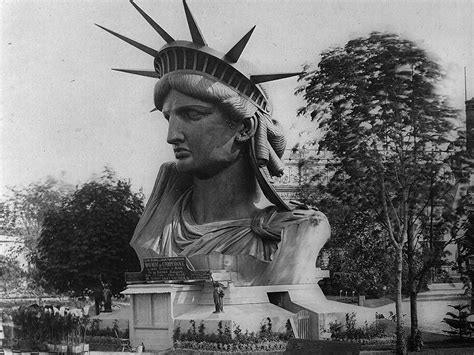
<point x="184" y="165"/>
<point x="202" y="171"/>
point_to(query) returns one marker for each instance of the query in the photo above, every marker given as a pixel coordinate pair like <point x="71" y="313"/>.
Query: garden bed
<point x="103" y="343"/>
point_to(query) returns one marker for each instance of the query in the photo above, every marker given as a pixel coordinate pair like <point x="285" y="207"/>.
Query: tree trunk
<point x="400" y="345"/>
<point x="471" y="279"/>
<point x="413" y="310"/>
<point x="415" y="341"/>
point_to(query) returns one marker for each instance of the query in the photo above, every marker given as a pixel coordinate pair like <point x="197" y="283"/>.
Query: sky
<point x="65" y="114"/>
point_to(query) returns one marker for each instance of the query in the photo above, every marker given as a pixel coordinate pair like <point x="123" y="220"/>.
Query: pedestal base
<point x="158" y="309"/>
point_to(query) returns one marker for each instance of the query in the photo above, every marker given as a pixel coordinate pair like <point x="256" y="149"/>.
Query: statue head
<point x="222" y="79"/>
<point x="207" y="137"/>
<point x="208" y="120"/>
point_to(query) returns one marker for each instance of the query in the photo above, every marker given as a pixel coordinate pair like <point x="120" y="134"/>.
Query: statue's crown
<point x="198" y="57"/>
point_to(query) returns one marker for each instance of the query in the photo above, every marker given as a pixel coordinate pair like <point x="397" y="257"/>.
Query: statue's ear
<point x="248" y="129"/>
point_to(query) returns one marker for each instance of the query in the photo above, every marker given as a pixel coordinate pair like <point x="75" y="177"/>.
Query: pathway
<point x="432" y="306"/>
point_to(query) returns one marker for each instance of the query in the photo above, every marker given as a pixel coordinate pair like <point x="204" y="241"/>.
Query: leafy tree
<point x="361" y="266"/>
<point x="85" y="243"/>
<point x="466" y="245"/>
<point x="376" y="101"/>
<point x="23" y="210"/>
<point x="11" y="274"/>
<point x="358" y="251"/>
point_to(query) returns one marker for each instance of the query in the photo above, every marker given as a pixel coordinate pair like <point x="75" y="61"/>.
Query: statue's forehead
<point x="175" y="100"/>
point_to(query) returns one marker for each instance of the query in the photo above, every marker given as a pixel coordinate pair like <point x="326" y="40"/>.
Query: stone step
<point x="437" y="297"/>
<point x="451" y="299"/>
<point x="441" y="293"/>
<point x="446" y="286"/>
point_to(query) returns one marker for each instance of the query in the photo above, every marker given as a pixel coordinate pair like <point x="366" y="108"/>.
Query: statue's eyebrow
<point x="193" y="107"/>
<point x="197" y="107"/>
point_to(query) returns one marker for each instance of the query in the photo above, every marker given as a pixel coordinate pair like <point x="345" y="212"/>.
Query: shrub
<point x="264" y="340"/>
<point x="458" y="322"/>
<point x="350" y="332"/>
<point x="40" y="325"/>
<point x="103" y="343"/>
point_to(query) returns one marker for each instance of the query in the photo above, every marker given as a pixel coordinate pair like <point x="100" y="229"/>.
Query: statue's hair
<point x="270" y="142"/>
<point x="206" y="89"/>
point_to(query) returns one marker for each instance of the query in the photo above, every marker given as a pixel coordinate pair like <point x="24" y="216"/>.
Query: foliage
<point x="358" y="256"/>
<point x="390" y="133"/>
<point x="105" y="339"/>
<point x="466" y="245"/>
<point x="85" y="242"/>
<point x="458" y="323"/>
<point x="23" y="210"/>
<point x="103" y="343"/>
<point x="95" y="329"/>
<point x="42" y="325"/>
<point x="375" y="100"/>
<point x="388" y="130"/>
<point x="10" y="274"/>
<point x="265" y="339"/>
<point x="267" y="345"/>
<point x="350" y="332"/>
<point x="443" y="223"/>
<point x="358" y="250"/>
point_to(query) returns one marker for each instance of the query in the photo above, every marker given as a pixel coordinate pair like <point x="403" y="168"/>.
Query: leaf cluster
<point x="10" y="273"/>
<point x="23" y="210"/>
<point x="359" y="249"/>
<point x="41" y="325"/>
<point x="458" y="321"/>
<point x="85" y="242"/>
<point x="388" y="129"/>
<point x="349" y="331"/>
<point x="224" y="334"/>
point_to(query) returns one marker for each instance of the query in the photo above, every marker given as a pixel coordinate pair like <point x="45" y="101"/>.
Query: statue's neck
<point x="230" y="194"/>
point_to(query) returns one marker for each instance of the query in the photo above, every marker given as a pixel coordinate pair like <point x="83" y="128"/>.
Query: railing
<point x="303" y="324"/>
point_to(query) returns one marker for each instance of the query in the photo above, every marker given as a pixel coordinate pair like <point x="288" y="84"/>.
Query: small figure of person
<point x="218" y="296"/>
<point x="107" y="296"/>
<point x="98" y="298"/>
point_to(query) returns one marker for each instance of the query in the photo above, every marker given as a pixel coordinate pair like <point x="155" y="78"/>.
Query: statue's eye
<point x="194" y="115"/>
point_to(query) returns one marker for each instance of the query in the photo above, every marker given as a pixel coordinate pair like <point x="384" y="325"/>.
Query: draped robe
<point x="167" y="227"/>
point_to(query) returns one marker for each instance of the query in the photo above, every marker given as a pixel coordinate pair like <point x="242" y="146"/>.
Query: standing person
<point x="98" y="298"/>
<point x="218" y="296"/>
<point x="107" y="296"/>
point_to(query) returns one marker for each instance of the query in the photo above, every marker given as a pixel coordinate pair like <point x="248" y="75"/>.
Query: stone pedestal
<point x="157" y="309"/>
<point x="283" y="289"/>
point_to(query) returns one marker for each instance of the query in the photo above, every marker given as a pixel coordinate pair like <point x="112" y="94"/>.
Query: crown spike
<point x="234" y="53"/>
<point x="256" y="79"/>
<point x="148" y="73"/>
<point x="140" y="46"/>
<point x="153" y="24"/>
<point x="193" y="27"/>
<point x="153" y="110"/>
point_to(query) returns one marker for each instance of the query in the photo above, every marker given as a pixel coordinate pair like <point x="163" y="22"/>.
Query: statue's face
<point x="203" y="142"/>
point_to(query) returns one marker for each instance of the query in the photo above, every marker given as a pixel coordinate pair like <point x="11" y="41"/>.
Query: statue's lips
<point x="180" y="153"/>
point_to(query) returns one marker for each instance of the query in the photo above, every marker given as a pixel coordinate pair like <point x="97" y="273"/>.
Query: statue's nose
<point x="175" y="133"/>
